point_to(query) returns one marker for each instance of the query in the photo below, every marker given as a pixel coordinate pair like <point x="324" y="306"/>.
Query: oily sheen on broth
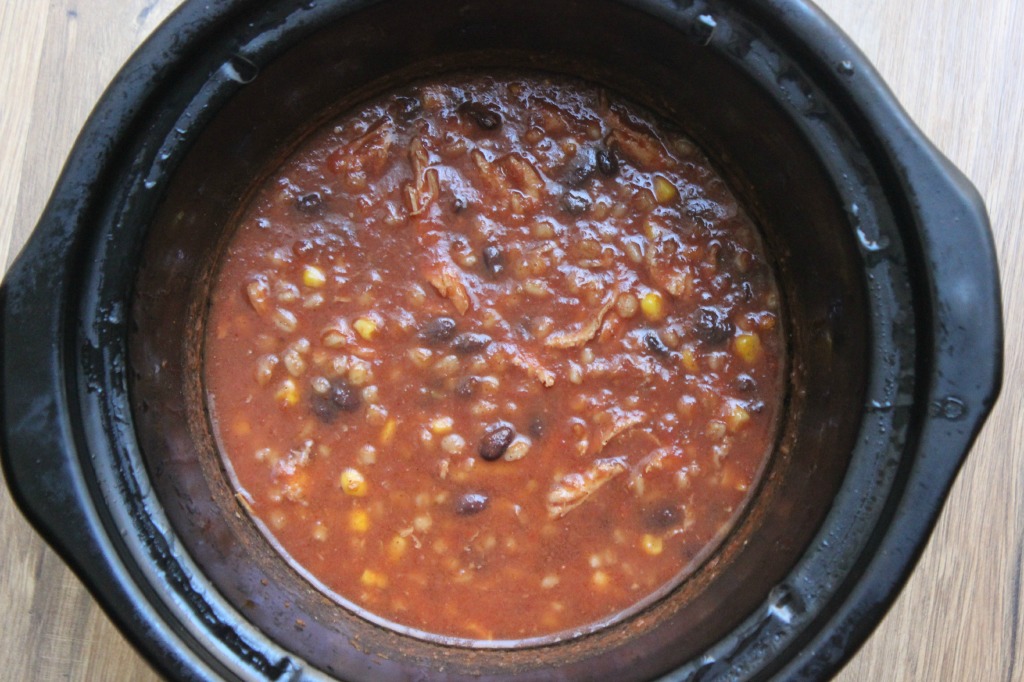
<point x="495" y="358"/>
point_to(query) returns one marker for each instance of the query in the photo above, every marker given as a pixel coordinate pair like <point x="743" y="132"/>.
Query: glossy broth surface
<point x="495" y="358"/>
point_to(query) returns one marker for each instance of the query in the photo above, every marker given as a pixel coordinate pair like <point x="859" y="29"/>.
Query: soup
<point x="494" y="359"/>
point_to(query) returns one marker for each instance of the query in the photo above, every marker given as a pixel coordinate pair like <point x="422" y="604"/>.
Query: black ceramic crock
<point x="882" y="248"/>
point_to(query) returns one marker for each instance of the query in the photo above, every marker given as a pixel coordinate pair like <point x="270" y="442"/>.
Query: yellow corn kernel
<point x="652" y="544"/>
<point x="653" y="306"/>
<point x="664" y="190"/>
<point x="737" y="418"/>
<point x="353" y="483"/>
<point x="366" y="328"/>
<point x="358" y="521"/>
<point x="372" y="578"/>
<point x="359" y="373"/>
<point x="748" y="347"/>
<point x="396" y="547"/>
<point x="313" y="277"/>
<point x="652" y="231"/>
<point x="319" y="532"/>
<point x="600" y="579"/>
<point x="387" y="434"/>
<point x="242" y="428"/>
<point x="689" y="359"/>
<point x="442" y="425"/>
<point x="288" y="393"/>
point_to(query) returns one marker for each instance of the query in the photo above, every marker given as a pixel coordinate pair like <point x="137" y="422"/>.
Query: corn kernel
<point x="285" y="320"/>
<point x="396" y="547"/>
<point x="313" y="277"/>
<point x="690" y="359"/>
<point x="358" y="521"/>
<point x="652" y="231"/>
<point x="353" y="483"/>
<point x="366" y="328"/>
<point x="652" y="544"/>
<point x="359" y="373"/>
<point x="715" y="430"/>
<point x="626" y="305"/>
<point x="664" y="190"/>
<point x="387" y="434"/>
<point x="736" y="418"/>
<point x="601" y="579"/>
<point x="265" y="369"/>
<point x="288" y="393"/>
<point x="319" y="532"/>
<point x="653" y="306"/>
<point x="442" y="425"/>
<point x="371" y="578"/>
<point x="748" y="347"/>
<point x="422" y="523"/>
<point x="367" y="454"/>
<point x="453" y="443"/>
<point x="686" y="405"/>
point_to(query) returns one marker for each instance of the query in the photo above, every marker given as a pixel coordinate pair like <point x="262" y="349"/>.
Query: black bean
<point x="712" y="326"/>
<point x="575" y="202"/>
<point x="340" y="397"/>
<point x="537" y="427"/>
<point x="663" y="516"/>
<point x="406" y="108"/>
<point x="467" y="343"/>
<point x="582" y="166"/>
<point x="607" y="162"/>
<point x="655" y="344"/>
<point x="748" y="291"/>
<point x="310" y="202"/>
<point x="470" y="503"/>
<point x="481" y="114"/>
<point x="496" y="441"/>
<point x="723" y="253"/>
<point x="303" y="247"/>
<point x="745" y="383"/>
<point x="494" y="259"/>
<point x="437" y="330"/>
<point x="466" y="387"/>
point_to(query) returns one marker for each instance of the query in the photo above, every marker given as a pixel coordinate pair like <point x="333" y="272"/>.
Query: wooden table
<point x="957" y="66"/>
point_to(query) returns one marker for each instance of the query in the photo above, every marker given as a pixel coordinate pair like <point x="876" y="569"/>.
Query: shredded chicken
<point x="367" y="153"/>
<point x="654" y="460"/>
<point x="532" y="367"/>
<point x="448" y="282"/>
<point x="420" y="194"/>
<point x="643" y="149"/>
<point x="294" y="460"/>
<point x="574" y="489"/>
<point x="667" y="264"/>
<point x="425" y="186"/>
<point x="523" y="176"/>
<point x="580" y="337"/>
<point x="620" y="424"/>
<point x="512" y="172"/>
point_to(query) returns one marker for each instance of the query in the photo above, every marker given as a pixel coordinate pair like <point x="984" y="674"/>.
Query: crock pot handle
<point x="966" y="327"/>
<point x="39" y="451"/>
<point x="37" y="444"/>
<point x="41" y="462"/>
<point x="964" y="330"/>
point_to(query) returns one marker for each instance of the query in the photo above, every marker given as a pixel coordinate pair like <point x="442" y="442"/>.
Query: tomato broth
<point x="495" y="358"/>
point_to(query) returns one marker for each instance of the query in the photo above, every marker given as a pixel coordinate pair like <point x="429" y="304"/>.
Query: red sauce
<point x="495" y="359"/>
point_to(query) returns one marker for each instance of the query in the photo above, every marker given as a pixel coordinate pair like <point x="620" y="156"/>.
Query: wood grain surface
<point x="958" y="67"/>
